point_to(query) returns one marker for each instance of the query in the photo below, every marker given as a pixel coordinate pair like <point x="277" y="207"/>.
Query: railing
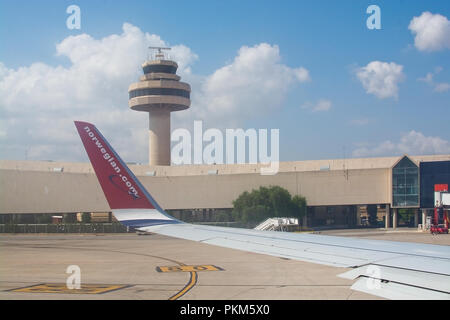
<point x="277" y="224"/>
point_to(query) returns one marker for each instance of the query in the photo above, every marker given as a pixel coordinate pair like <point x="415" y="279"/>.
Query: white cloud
<point x="442" y="87"/>
<point x="432" y="31"/>
<point x="438" y="86"/>
<point x="381" y="78"/>
<point x="38" y="103"/>
<point x="413" y="143"/>
<point x="321" y="105"/>
<point x="254" y="83"/>
<point x="428" y="78"/>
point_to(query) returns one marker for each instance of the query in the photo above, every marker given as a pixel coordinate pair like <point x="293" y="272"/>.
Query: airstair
<point x="278" y="224"/>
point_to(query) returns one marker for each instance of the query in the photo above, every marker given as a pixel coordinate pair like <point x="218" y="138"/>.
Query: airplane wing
<point x="393" y="270"/>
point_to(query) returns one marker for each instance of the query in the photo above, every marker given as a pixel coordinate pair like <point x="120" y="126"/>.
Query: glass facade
<point x="159" y="92"/>
<point x="157" y="68"/>
<point x="431" y="173"/>
<point x="405" y="184"/>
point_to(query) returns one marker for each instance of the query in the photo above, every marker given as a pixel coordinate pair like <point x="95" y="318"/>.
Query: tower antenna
<point x="159" y="54"/>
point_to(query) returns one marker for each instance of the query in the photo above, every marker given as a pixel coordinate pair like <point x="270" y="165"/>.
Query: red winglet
<point x="120" y="186"/>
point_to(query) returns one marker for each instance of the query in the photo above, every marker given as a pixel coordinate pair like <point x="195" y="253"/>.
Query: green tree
<point x="255" y="213"/>
<point x="266" y="202"/>
<point x="281" y="202"/>
<point x="299" y="206"/>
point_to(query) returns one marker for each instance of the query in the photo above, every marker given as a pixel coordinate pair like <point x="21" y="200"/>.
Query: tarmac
<point x="149" y="267"/>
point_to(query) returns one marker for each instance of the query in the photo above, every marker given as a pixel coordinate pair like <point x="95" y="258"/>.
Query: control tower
<point x="159" y="92"/>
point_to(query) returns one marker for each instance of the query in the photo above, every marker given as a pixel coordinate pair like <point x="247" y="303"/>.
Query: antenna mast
<point x="159" y="54"/>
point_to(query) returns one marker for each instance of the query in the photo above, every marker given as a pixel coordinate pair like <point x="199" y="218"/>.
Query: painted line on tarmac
<point x="62" y="288"/>
<point x="186" y="268"/>
<point x="192" y="282"/>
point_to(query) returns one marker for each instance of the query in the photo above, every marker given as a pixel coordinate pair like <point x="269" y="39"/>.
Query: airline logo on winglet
<point x="118" y="178"/>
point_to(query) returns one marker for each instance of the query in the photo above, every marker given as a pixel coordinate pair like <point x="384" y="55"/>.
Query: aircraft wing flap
<point x="397" y="291"/>
<point x="397" y="283"/>
<point x="433" y="265"/>
<point x="419" y="279"/>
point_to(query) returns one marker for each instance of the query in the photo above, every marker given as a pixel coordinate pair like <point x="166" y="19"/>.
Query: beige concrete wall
<point x="33" y="187"/>
<point x="54" y="192"/>
<point x="193" y="170"/>
<point x="49" y="192"/>
<point x="319" y="188"/>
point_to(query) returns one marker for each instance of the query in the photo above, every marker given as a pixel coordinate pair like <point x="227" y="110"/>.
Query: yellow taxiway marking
<point x="62" y="288"/>
<point x="192" y="282"/>
<point x="193" y="269"/>
<point x="184" y="268"/>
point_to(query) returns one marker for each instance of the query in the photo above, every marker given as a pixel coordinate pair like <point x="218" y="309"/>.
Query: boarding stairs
<point x="277" y="224"/>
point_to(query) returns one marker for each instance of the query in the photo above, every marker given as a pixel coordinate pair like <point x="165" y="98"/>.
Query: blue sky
<point x="327" y="38"/>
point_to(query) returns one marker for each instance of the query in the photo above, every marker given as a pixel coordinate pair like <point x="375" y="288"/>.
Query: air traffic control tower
<point x="159" y="92"/>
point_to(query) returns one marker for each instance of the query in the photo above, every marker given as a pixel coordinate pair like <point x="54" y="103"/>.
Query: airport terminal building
<point x="339" y="192"/>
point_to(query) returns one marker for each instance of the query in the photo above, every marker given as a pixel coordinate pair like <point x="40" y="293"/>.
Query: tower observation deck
<point x="159" y="92"/>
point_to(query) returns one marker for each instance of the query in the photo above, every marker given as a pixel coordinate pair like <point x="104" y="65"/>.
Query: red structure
<point x="441" y="220"/>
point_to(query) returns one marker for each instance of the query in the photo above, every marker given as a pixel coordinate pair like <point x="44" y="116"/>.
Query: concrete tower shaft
<point x="159" y="137"/>
<point x="159" y="92"/>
